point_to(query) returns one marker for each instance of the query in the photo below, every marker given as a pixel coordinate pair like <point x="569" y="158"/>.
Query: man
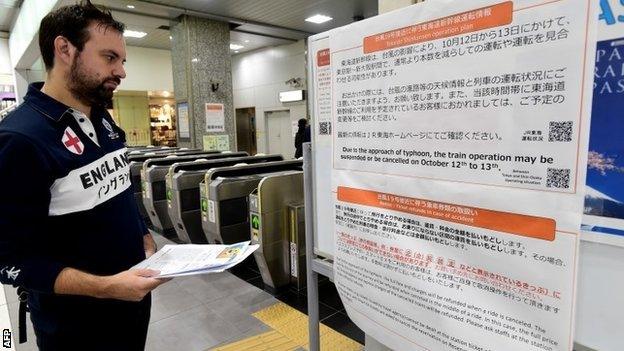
<point x="69" y="227"/>
<point x="299" y="137"/>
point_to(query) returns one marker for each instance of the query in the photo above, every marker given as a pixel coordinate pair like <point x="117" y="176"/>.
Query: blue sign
<point x="605" y="172"/>
<point x="607" y="14"/>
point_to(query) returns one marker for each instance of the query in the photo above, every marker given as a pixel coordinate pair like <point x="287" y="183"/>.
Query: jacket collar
<point x="47" y="105"/>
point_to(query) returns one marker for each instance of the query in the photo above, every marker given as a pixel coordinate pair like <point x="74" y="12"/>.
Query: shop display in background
<point x="7" y="99"/>
<point x="162" y="124"/>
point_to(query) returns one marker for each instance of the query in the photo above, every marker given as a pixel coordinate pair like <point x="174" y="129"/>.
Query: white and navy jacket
<point x="65" y="198"/>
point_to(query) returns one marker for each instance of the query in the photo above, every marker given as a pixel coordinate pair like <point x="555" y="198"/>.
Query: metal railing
<point x="6" y="111"/>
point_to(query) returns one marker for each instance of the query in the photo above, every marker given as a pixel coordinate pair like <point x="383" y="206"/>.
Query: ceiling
<point x="255" y="23"/>
<point x="289" y="14"/>
<point x="157" y="38"/>
<point x="8" y="11"/>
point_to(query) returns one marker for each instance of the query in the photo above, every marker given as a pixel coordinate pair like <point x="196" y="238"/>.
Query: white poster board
<point x="215" y="118"/>
<point x="183" y="120"/>
<point x="320" y="100"/>
<point x="460" y="132"/>
<point x="216" y="142"/>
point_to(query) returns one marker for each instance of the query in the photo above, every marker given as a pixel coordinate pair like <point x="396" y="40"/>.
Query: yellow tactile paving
<point x="290" y="331"/>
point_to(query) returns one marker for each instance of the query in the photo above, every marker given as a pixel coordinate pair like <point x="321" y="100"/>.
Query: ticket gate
<point x="183" y="193"/>
<point x="148" y="148"/>
<point x="154" y="196"/>
<point x="225" y="196"/>
<point x="136" y="159"/>
<point x="276" y="219"/>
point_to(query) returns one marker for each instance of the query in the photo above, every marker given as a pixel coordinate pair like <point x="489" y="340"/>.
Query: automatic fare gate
<point x="136" y="159"/>
<point x="225" y="193"/>
<point x="183" y="201"/>
<point x="276" y="218"/>
<point x="153" y="177"/>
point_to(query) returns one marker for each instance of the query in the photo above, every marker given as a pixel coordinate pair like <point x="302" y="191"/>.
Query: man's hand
<point x="149" y="245"/>
<point x="131" y="285"/>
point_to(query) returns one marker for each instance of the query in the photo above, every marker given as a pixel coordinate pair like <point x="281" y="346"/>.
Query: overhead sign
<point x="292" y="96"/>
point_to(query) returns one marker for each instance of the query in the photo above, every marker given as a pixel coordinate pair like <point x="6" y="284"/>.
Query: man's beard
<point x="88" y="89"/>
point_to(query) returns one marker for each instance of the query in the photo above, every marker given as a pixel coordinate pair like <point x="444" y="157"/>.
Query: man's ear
<point x="64" y="51"/>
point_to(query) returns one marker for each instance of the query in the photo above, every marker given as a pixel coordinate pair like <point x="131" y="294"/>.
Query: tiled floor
<point x="289" y="332"/>
<point x="201" y="312"/>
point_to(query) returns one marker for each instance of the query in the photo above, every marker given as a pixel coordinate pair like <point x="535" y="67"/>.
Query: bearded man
<point x="71" y="230"/>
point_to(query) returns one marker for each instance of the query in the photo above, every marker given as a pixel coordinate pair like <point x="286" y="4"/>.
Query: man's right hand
<point x="130" y="285"/>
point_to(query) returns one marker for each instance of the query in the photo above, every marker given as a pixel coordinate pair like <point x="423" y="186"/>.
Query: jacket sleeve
<point x="142" y="224"/>
<point x="25" y="187"/>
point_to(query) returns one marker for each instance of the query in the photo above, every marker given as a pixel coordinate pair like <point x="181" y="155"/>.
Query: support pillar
<point x="202" y="73"/>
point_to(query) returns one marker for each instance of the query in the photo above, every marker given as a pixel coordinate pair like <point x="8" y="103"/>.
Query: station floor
<point x="229" y="312"/>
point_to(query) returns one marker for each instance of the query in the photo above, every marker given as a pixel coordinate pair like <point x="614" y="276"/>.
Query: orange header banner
<point x="466" y="22"/>
<point x="523" y="225"/>
<point x="322" y="58"/>
<point x="217" y="107"/>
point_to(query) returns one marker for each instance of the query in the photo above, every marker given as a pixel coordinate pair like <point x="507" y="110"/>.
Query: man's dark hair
<point x="72" y="22"/>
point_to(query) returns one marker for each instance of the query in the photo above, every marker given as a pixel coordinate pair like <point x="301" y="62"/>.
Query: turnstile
<point x="153" y="176"/>
<point x="225" y="196"/>
<point x="147" y="148"/>
<point x="183" y="193"/>
<point x="276" y="219"/>
<point x="136" y="159"/>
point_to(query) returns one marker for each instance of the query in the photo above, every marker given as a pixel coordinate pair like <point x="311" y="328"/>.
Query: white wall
<point x="23" y="41"/>
<point x="5" y="58"/>
<point x="258" y="77"/>
<point x="6" y="70"/>
<point x="147" y="69"/>
<point x="600" y="301"/>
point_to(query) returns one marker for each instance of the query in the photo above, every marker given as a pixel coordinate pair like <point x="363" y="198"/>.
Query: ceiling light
<point x="246" y="41"/>
<point x="134" y="34"/>
<point x="236" y="52"/>
<point x="235" y="46"/>
<point x="195" y="60"/>
<point x="170" y="37"/>
<point x="130" y="6"/>
<point x="318" y="19"/>
<point x="165" y="94"/>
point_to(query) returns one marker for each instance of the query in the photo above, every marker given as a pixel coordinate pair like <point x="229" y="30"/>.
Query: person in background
<point x="71" y="230"/>
<point x="299" y="137"/>
<point x="306" y="135"/>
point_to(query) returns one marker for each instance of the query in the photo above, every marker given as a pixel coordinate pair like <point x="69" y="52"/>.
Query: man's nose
<point x="120" y="71"/>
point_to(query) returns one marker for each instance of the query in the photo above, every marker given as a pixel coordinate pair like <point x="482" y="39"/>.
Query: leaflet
<point x="191" y="259"/>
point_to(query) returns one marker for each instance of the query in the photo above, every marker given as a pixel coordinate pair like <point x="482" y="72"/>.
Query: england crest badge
<point x="71" y="142"/>
<point x="112" y="134"/>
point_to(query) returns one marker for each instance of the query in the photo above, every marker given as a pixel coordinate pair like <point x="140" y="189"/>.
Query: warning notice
<point x="460" y="134"/>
